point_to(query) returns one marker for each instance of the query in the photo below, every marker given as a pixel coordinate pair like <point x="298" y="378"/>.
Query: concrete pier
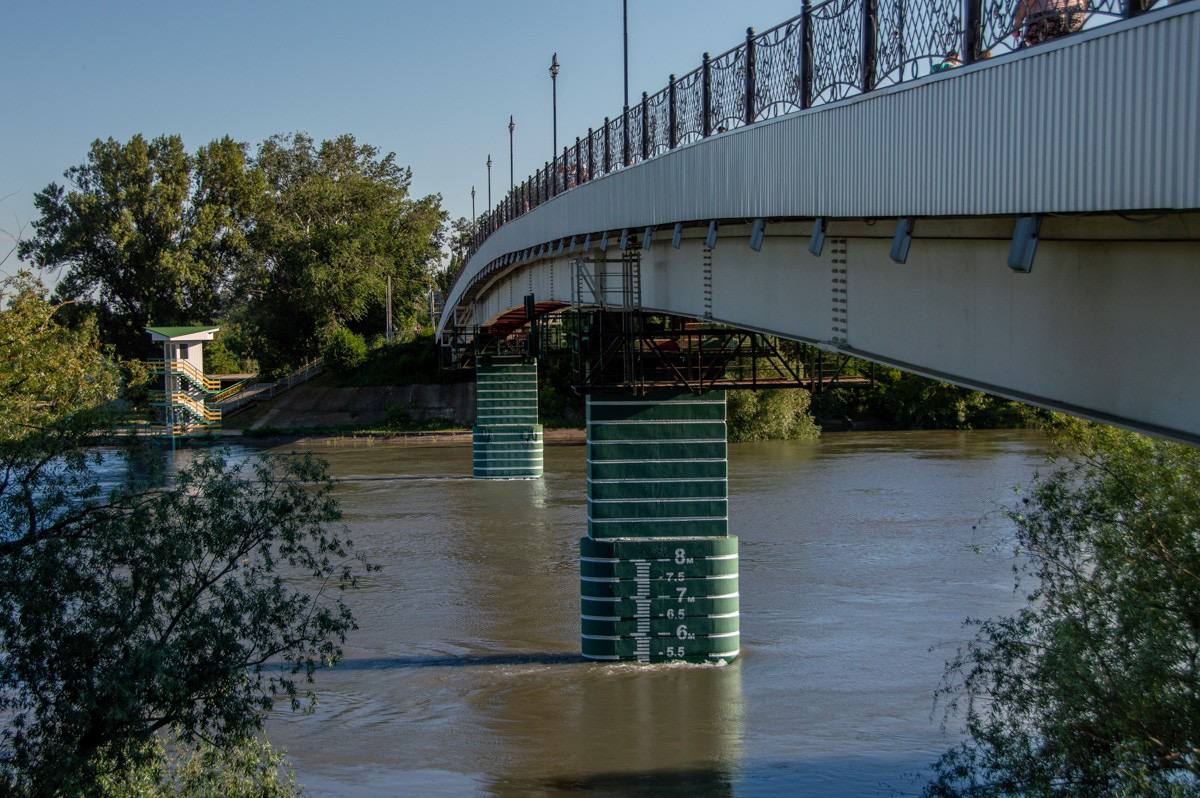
<point x="658" y="568"/>
<point x="506" y="438"/>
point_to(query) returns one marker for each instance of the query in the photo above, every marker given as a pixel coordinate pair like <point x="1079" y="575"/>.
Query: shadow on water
<point x="695" y="782"/>
<point x="457" y="661"/>
<point x="842" y="776"/>
<point x="403" y="478"/>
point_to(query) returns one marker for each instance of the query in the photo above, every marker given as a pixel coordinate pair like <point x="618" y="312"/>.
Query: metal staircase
<point x="193" y="396"/>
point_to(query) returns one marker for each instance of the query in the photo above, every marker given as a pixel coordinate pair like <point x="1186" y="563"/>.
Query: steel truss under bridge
<point x="617" y="343"/>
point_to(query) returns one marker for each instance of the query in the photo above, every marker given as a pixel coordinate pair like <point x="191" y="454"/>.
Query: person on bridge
<point x="1036" y="21"/>
<point x="950" y="62"/>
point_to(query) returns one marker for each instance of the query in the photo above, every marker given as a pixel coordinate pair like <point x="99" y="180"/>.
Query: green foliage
<point x="772" y="414"/>
<point x="400" y="420"/>
<point x="461" y="234"/>
<point x="297" y="239"/>
<point x="147" y="232"/>
<point x="229" y="353"/>
<point x="558" y="406"/>
<point x="219" y="360"/>
<point x="395" y="363"/>
<point x="1091" y="689"/>
<point x="339" y="222"/>
<point x="910" y="401"/>
<point x="124" y="615"/>
<point x="53" y="378"/>
<point x="343" y="350"/>
<point x="248" y="768"/>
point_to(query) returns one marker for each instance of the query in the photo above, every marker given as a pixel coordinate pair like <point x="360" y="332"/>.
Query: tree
<point x="132" y="612"/>
<point x="770" y="414"/>
<point x="461" y="234"/>
<point x="54" y="380"/>
<point x="248" y="768"/>
<point x="339" y="223"/>
<point x="147" y="233"/>
<point x="153" y="611"/>
<point x="1091" y="689"/>
<point x="344" y="351"/>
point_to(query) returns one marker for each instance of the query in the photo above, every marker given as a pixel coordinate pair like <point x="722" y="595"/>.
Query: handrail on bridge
<point x="830" y="51"/>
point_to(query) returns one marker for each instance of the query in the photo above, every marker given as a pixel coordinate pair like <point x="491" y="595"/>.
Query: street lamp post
<point x="512" y="183"/>
<point x="472" y="207"/>
<point x="489" y="168"/>
<point x="625" y="41"/>
<point x="554" y="105"/>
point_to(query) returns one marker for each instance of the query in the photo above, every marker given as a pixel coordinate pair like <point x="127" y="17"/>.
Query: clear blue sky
<point x="433" y="81"/>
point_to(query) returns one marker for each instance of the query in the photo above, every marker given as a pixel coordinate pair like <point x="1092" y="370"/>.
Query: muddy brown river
<point x="861" y="555"/>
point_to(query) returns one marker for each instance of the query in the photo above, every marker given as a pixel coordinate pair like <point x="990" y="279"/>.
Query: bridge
<point x="901" y="181"/>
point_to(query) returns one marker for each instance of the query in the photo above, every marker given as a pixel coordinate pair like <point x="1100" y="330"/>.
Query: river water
<point x="861" y="555"/>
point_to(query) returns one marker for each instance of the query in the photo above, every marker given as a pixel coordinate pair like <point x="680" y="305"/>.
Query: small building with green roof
<point x="186" y="389"/>
<point x="183" y="343"/>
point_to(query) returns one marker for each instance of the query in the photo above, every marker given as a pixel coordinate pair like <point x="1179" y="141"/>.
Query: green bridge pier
<point x="506" y="441"/>
<point x="658" y="567"/>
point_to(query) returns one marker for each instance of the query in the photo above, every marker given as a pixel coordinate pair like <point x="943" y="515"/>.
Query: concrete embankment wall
<point x="322" y="406"/>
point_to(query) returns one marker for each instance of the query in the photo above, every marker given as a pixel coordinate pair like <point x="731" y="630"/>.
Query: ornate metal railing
<point x="830" y="51"/>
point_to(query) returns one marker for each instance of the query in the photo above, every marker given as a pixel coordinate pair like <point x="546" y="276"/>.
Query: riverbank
<point x="553" y="437"/>
<point x="325" y="437"/>
<point x="350" y="438"/>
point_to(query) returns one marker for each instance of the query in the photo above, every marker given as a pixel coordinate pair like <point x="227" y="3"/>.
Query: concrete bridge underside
<point x="1104" y="326"/>
<point x="1099" y="134"/>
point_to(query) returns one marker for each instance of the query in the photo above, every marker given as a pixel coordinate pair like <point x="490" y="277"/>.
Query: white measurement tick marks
<point x="642" y="577"/>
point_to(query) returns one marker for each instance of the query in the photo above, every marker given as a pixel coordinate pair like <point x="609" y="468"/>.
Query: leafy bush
<point x="249" y="768"/>
<point x="1093" y="687"/>
<point x="395" y="362"/>
<point x="909" y="401"/>
<point x="344" y="350"/>
<point x="229" y="352"/>
<point x="772" y="414"/>
<point x="125" y="614"/>
<point x="557" y="405"/>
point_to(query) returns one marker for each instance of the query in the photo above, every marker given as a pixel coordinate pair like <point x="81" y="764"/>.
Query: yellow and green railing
<point x="200" y="411"/>
<point x="194" y="376"/>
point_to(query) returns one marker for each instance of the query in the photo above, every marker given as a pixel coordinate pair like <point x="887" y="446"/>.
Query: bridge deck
<point x="1098" y="132"/>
